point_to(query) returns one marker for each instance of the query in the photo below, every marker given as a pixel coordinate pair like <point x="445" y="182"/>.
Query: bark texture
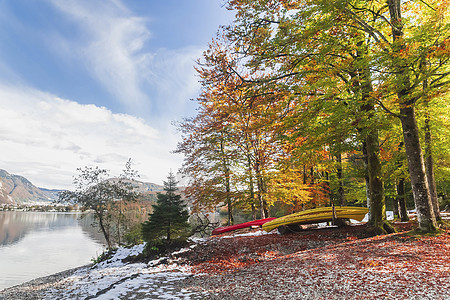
<point x="341" y="194"/>
<point x="403" y="212"/>
<point x="419" y="182"/>
<point x="430" y="169"/>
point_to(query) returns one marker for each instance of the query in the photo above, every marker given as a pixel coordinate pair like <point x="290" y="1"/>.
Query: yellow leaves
<point x="287" y="187"/>
<point x="407" y="50"/>
<point x="442" y="8"/>
<point x="291" y="4"/>
<point x="312" y="78"/>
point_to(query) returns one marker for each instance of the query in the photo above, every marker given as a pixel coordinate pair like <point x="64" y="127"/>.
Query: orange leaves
<point x="441" y="50"/>
<point x="371" y="263"/>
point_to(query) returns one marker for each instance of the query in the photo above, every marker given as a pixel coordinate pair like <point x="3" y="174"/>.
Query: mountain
<point x="15" y="189"/>
<point x="144" y="187"/>
<point x="147" y="190"/>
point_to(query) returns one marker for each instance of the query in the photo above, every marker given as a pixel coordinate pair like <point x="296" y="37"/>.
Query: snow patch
<point x="254" y="233"/>
<point x="114" y="279"/>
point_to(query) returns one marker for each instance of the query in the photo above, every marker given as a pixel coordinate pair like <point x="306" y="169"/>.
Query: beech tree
<point x="225" y="143"/>
<point x="302" y="65"/>
<point x="310" y="44"/>
<point x="294" y="84"/>
<point x="207" y="162"/>
<point x="407" y="97"/>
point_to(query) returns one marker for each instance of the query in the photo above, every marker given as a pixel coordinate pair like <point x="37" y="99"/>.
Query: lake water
<point x="36" y="244"/>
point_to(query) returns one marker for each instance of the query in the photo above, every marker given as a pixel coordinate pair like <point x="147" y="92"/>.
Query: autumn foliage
<point x="312" y="102"/>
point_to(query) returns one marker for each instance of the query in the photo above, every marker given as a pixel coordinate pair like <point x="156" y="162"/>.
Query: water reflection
<point x="36" y="244"/>
<point x="15" y="225"/>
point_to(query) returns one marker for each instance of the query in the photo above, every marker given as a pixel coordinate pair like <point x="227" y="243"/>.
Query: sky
<point x="96" y="82"/>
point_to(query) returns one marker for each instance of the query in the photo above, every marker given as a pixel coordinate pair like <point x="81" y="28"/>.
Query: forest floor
<point x="316" y="263"/>
<point x="324" y="263"/>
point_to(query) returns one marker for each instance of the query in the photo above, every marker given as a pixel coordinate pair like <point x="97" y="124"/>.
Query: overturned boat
<point x="318" y="215"/>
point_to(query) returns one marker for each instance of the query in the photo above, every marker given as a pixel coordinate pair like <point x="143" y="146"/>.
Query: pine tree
<point x="168" y="223"/>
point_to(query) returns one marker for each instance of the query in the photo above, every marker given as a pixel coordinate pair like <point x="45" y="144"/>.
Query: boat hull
<point x="317" y="215"/>
<point x="259" y="222"/>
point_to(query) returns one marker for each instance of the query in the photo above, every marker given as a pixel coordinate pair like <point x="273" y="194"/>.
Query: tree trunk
<point x="260" y="184"/>
<point x="419" y="182"/>
<point x="105" y="233"/>
<point x="327" y="184"/>
<point x="251" y="187"/>
<point x="376" y="204"/>
<point x="226" y="171"/>
<point x="314" y="196"/>
<point x="305" y="177"/>
<point x="421" y="193"/>
<point x="403" y="212"/>
<point x="401" y="196"/>
<point x="395" y="209"/>
<point x="428" y="149"/>
<point x="366" y="177"/>
<point x="376" y="186"/>
<point x="371" y="151"/>
<point x="430" y="169"/>
<point x="228" y="199"/>
<point x="341" y="195"/>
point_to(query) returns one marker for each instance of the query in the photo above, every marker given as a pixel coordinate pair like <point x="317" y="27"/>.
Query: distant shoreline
<point x="39" y="207"/>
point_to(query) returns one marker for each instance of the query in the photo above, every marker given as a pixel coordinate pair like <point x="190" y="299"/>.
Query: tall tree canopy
<point x="307" y="91"/>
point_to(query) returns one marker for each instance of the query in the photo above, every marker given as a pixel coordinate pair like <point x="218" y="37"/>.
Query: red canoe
<point x="259" y="222"/>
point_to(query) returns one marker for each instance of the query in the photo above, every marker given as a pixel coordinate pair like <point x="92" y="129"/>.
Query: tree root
<point x="379" y="229"/>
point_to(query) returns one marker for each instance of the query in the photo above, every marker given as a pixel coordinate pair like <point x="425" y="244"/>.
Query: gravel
<point x="332" y="263"/>
<point x="36" y="288"/>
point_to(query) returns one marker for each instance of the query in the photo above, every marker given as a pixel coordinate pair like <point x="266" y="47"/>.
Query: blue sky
<point x="94" y="82"/>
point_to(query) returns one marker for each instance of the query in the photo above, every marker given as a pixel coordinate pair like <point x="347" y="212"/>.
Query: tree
<point x="408" y="93"/>
<point x="207" y="161"/>
<point x="168" y="223"/>
<point x="95" y="190"/>
<point x="226" y="144"/>
<point x="310" y="45"/>
<point x="324" y="64"/>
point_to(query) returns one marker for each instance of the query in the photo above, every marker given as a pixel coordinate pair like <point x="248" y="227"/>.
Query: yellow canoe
<point x="318" y="215"/>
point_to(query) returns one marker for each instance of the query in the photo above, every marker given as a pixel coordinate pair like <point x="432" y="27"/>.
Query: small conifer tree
<point x="168" y="223"/>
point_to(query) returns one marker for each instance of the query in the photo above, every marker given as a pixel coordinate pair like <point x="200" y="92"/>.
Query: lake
<point x="36" y="244"/>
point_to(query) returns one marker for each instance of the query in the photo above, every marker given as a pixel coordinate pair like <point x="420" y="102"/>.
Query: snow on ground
<point x="335" y="264"/>
<point x="114" y="279"/>
<point x="254" y="233"/>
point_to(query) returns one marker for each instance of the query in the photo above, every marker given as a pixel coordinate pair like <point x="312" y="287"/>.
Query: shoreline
<point x="35" y="288"/>
<point x="114" y="277"/>
<point x="377" y="267"/>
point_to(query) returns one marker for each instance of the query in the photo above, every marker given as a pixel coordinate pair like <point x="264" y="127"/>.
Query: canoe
<point x="259" y="222"/>
<point x="317" y="215"/>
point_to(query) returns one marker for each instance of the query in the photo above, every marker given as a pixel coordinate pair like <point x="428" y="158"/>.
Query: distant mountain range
<point x="15" y="189"/>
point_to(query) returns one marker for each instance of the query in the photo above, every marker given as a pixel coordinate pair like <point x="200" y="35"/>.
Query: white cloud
<point x="45" y="139"/>
<point x="175" y="82"/>
<point x="112" y="45"/>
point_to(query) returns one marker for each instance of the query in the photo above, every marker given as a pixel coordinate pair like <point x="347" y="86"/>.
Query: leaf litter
<point x="316" y="263"/>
